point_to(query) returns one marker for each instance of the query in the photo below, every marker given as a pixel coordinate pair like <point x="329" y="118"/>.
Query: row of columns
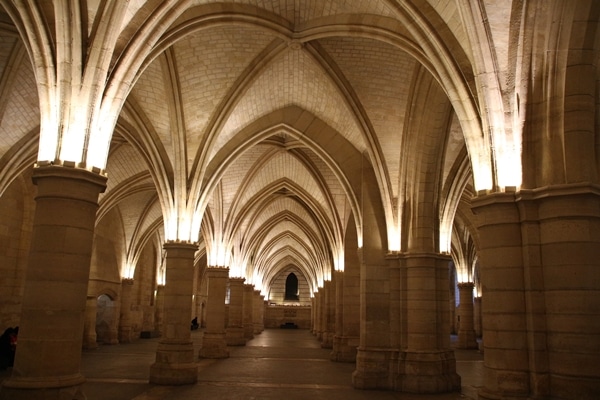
<point x="413" y="324"/>
<point x="231" y="325"/>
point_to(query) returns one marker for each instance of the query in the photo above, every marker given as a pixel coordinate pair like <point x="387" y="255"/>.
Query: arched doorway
<point x="291" y="288"/>
<point x="105" y="319"/>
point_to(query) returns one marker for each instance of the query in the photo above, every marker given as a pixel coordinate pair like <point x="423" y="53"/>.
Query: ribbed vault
<point x="249" y="125"/>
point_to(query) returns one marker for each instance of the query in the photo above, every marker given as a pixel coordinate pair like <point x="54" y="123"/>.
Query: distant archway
<point x="291" y="287"/>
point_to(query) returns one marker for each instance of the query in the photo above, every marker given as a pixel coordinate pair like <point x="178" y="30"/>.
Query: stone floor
<point x="277" y="364"/>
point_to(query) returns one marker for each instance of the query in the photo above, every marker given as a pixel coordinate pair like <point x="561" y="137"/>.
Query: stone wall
<point x="275" y="316"/>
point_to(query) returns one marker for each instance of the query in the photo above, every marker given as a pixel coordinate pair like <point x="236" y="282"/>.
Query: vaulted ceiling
<point x="225" y="102"/>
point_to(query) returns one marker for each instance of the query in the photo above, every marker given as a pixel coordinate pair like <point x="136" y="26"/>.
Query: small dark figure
<point x="8" y="345"/>
<point x="195" y="324"/>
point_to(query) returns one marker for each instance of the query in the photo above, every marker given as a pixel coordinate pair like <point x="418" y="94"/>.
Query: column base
<point x="344" y="349"/>
<point x="174" y="364"/>
<point x="427" y="372"/>
<point x="248" y="331"/>
<point x="126" y="335"/>
<point x="235" y="336"/>
<point x="90" y="343"/>
<point x="327" y="340"/>
<point x="54" y="388"/>
<point x="467" y="340"/>
<point x="213" y="346"/>
<point x="372" y="368"/>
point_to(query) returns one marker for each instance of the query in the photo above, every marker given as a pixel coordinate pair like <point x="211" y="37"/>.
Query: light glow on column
<point x="482" y="170"/>
<point x="128" y="271"/>
<point x="338" y="261"/>
<point x="445" y="237"/>
<point x="218" y="254"/>
<point x="48" y="135"/>
<point x="178" y="227"/>
<point x="393" y="237"/>
<point x="99" y="144"/>
<point x="236" y="270"/>
<point x="508" y="164"/>
<point x="463" y="274"/>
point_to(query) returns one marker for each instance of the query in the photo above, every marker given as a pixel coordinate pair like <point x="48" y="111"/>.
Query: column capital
<point x="66" y="174"/>
<point x="180" y="245"/>
<point x="127" y="281"/>
<point x="465" y="285"/>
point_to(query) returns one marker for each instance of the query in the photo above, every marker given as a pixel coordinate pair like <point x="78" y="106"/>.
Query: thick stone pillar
<point x="346" y="339"/>
<point x="175" y="364"/>
<point x="374" y="355"/>
<point x="125" y="323"/>
<point x="89" y="326"/>
<point x="235" y="327"/>
<point x="214" y="344"/>
<point x="338" y="279"/>
<point x="540" y="250"/>
<point x="328" y="317"/>
<point x="55" y="289"/>
<point x="568" y="217"/>
<point x="427" y="363"/>
<point x="466" y="331"/>
<point x="318" y="330"/>
<point x="248" y="310"/>
<point x="312" y="314"/>
<point x="504" y="315"/>
<point x="263" y="311"/>
<point x="477" y="316"/>
<point x="159" y="315"/>
<point x="257" y="305"/>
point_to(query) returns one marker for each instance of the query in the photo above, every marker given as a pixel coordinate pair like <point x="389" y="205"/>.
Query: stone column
<point x="374" y="355"/>
<point x="159" y="315"/>
<point x="235" y="327"/>
<point x="328" y="315"/>
<point x="346" y="341"/>
<point x="312" y="314"/>
<point x="466" y="331"/>
<point x="477" y="316"/>
<point x="55" y="288"/>
<point x="427" y="364"/>
<point x="175" y="364"/>
<point x="539" y="255"/>
<point x="125" y="328"/>
<point x="89" y="326"/>
<point x="262" y="312"/>
<point x="214" y="344"/>
<point x="504" y="317"/>
<point x="338" y="279"/>
<point x="564" y="349"/>
<point x="248" y="310"/>
<point x="257" y="304"/>
<point x="318" y="308"/>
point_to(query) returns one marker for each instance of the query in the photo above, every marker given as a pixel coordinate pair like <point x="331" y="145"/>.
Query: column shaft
<point x="235" y="326"/>
<point x="125" y="323"/>
<point x="257" y="312"/>
<point x="89" y="327"/>
<point x="56" y="285"/>
<point x="174" y="363"/>
<point x="427" y="364"/>
<point x="374" y="353"/>
<point x="214" y="344"/>
<point x="466" y="331"/>
<point x="328" y="315"/>
<point x="248" y="310"/>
